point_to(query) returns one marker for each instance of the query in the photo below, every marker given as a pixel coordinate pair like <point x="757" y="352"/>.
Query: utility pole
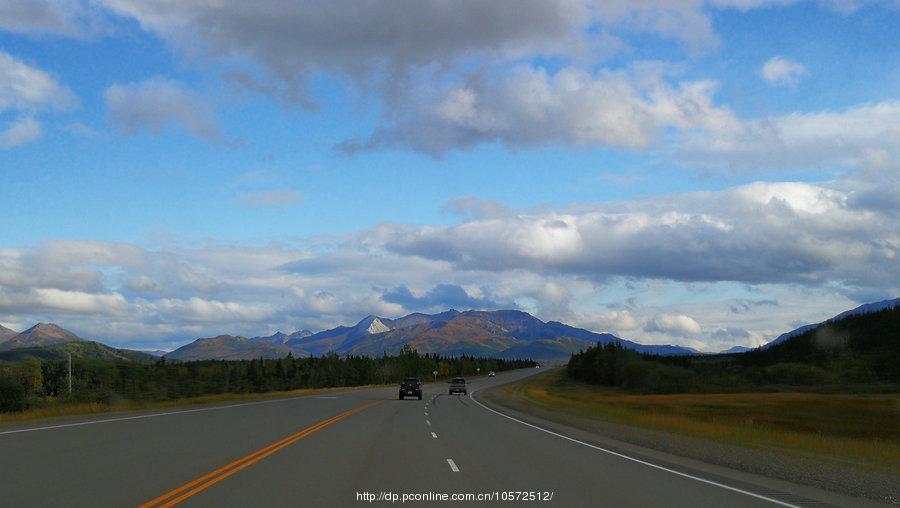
<point x="70" y="373"/>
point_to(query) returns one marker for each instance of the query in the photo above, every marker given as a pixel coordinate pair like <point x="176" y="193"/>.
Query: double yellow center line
<point x="206" y="481"/>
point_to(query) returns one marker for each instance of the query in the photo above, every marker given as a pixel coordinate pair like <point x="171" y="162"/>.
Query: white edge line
<point x="639" y="461"/>
<point x="151" y="415"/>
<point x="453" y="466"/>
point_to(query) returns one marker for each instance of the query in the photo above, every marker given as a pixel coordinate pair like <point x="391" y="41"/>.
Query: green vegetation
<point x="859" y="430"/>
<point x="34" y="382"/>
<point x="77" y="348"/>
<point x="855" y="354"/>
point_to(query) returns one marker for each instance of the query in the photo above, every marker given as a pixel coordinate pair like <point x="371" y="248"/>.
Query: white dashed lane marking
<point x="453" y="466"/>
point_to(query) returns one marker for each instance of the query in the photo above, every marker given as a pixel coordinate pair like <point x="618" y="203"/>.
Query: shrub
<point x="13" y="396"/>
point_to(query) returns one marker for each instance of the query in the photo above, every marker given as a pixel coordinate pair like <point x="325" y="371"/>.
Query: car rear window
<point x="411" y="379"/>
<point x="458" y="380"/>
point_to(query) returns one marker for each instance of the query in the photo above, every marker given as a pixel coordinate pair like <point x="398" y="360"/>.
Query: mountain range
<point x="501" y="333"/>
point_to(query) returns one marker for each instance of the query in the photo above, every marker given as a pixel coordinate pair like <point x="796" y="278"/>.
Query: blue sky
<point x="634" y="168"/>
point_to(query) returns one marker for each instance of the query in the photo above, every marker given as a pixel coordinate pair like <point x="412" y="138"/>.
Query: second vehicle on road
<point x="458" y="385"/>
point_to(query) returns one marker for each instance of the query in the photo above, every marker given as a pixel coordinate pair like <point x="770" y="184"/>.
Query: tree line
<point x="858" y="353"/>
<point x="33" y="382"/>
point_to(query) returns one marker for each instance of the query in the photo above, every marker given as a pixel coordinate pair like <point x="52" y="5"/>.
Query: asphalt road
<point x="344" y="448"/>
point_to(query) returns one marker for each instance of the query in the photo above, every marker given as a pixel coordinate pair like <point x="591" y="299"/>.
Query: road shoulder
<point x="791" y="478"/>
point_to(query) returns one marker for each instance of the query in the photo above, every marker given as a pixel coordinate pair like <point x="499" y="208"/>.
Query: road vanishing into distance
<point x="357" y="448"/>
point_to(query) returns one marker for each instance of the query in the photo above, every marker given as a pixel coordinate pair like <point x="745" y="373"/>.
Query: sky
<point x="705" y="173"/>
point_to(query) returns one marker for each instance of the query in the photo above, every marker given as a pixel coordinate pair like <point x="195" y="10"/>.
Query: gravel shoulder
<point x="880" y="487"/>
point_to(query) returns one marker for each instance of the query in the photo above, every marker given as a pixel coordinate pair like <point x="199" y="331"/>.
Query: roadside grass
<point x="51" y="408"/>
<point x="860" y="430"/>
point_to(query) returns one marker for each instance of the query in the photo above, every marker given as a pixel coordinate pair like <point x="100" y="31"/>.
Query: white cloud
<point x="674" y="324"/>
<point x="530" y="107"/>
<point x="157" y="103"/>
<point x="782" y="71"/>
<point x="98" y="253"/>
<point x="270" y="199"/>
<point x="27" y="90"/>
<point x="200" y="310"/>
<point x="614" y="321"/>
<point x="62" y="301"/>
<point x="797" y="140"/>
<point x="22" y="131"/>
<point x="684" y="21"/>
<point x="761" y="232"/>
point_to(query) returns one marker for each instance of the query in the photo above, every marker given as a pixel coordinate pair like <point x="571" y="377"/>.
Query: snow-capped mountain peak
<point x="376" y="326"/>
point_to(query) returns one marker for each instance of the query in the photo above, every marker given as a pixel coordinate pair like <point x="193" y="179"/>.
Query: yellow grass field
<point x="857" y="430"/>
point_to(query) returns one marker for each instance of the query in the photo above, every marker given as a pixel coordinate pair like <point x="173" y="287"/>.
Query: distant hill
<point x="6" y="334"/>
<point x="736" y="349"/>
<point x="78" y="349"/>
<point x="547" y="348"/>
<point x="227" y="347"/>
<point x="280" y="338"/>
<point x="862" y="309"/>
<point x="155" y="352"/>
<point x="47" y="341"/>
<point x="41" y="334"/>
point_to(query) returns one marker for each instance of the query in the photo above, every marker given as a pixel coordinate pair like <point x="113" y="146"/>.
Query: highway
<point x="346" y="448"/>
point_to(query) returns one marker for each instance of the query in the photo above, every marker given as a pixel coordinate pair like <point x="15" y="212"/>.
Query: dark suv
<point x="458" y="385"/>
<point x="412" y="387"/>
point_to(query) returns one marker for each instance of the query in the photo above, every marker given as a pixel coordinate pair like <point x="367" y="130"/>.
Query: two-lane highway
<point x="343" y="449"/>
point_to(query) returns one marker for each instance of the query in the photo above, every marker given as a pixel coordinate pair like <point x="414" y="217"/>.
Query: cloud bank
<point x="839" y="239"/>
